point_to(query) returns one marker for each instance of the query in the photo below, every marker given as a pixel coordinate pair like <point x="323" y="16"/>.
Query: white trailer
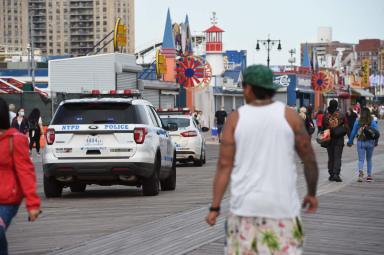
<point x="114" y="71"/>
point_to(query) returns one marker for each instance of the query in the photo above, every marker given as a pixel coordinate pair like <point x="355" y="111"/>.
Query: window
<point x="100" y="113"/>
<point x="153" y="117"/>
<point x="181" y="122"/>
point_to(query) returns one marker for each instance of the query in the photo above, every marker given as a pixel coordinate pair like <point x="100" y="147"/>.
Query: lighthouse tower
<point x="205" y="99"/>
<point x="214" y="48"/>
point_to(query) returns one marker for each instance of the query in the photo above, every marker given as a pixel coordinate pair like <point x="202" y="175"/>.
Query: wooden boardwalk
<point x="118" y="220"/>
<point x="348" y="222"/>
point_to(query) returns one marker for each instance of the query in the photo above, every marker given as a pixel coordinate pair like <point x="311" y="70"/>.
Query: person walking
<point x="220" y="118"/>
<point x="35" y="126"/>
<point x="351" y="117"/>
<point x="257" y="155"/>
<point x="17" y="176"/>
<point x="337" y="124"/>
<point x="307" y="118"/>
<point x="319" y="121"/>
<point x="20" y="122"/>
<point x="365" y="143"/>
<point x="12" y="113"/>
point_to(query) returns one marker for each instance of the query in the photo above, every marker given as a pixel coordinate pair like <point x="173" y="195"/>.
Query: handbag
<point x="324" y="138"/>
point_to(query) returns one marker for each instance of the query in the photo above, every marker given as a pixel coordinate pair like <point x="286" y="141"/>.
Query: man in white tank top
<point x="257" y="156"/>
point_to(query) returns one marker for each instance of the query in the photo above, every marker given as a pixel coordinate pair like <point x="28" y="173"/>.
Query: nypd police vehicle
<point x="188" y="138"/>
<point x="108" y="141"/>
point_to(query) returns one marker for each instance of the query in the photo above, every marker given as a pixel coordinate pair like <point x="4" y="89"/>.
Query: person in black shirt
<point x="351" y="117"/>
<point x="220" y="117"/>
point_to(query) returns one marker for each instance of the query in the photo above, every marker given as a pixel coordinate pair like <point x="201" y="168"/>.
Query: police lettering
<point x="116" y="126"/>
<point x="70" y="127"/>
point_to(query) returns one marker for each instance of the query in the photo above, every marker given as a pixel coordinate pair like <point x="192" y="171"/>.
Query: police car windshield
<point x="99" y="113"/>
<point x="181" y="122"/>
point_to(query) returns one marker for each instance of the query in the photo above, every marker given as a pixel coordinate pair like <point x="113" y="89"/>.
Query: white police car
<point x="108" y="141"/>
<point x="190" y="143"/>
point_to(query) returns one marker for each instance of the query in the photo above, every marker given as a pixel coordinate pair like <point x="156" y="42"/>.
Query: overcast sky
<point x="245" y="21"/>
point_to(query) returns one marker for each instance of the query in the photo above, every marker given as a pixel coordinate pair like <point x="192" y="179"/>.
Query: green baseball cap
<point x="259" y="76"/>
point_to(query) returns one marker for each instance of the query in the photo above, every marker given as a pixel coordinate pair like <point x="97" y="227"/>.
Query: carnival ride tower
<point x="169" y="50"/>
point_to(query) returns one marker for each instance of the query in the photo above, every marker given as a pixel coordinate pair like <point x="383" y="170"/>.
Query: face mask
<point x="21" y="113"/>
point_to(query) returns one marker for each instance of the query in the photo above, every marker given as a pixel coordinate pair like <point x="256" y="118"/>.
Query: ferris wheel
<point x="193" y="72"/>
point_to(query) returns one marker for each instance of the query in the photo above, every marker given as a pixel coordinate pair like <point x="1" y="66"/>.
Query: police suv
<point x="107" y="141"/>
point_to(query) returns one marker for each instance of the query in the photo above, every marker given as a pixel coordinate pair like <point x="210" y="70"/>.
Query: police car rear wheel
<point x="170" y="182"/>
<point x="151" y="185"/>
<point x="78" y="187"/>
<point x="52" y="187"/>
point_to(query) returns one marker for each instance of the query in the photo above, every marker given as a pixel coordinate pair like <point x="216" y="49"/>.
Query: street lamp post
<point x="268" y="44"/>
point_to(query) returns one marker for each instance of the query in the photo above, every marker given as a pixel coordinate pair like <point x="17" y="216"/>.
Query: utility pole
<point x="32" y="47"/>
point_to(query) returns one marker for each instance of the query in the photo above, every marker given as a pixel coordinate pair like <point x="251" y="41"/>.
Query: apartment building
<point x="65" y="27"/>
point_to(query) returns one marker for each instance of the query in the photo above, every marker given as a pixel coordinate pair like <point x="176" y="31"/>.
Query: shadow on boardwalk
<point x="348" y="222"/>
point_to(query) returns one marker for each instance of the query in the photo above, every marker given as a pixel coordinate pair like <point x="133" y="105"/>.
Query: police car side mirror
<point x="171" y="127"/>
<point x="204" y="129"/>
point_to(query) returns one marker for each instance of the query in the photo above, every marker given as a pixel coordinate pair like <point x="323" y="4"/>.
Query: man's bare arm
<point x="226" y="159"/>
<point x="305" y="151"/>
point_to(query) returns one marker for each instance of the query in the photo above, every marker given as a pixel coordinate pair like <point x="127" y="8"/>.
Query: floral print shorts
<point x="263" y="236"/>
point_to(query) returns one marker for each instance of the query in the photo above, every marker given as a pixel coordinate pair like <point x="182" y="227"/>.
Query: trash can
<point x="214" y="131"/>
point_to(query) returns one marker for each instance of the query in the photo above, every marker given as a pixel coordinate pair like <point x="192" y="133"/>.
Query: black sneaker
<point x="337" y="178"/>
<point x="331" y="178"/>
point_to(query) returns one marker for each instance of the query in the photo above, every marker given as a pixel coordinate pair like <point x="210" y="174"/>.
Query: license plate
<point x="93" y="140"/>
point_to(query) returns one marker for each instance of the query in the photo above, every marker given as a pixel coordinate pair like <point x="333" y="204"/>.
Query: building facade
<point x="13" y="25"/>
<point x="65" y="27"/>
<point x="370" y="49"/>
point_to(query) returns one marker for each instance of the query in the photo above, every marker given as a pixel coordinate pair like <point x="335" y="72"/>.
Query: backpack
<point x="335" y="122"/>
<point x="368" y="133"/>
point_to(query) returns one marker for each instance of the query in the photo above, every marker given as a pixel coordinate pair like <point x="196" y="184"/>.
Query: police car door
<point x="164" y="139"/>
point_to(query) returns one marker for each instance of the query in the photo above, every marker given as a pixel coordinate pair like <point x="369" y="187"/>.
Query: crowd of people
<point x="354" y="124"/>
<point x="32" y="125"/>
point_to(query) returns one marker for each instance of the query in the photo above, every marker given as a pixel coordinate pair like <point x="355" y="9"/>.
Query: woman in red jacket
<point x="17" y="176"/>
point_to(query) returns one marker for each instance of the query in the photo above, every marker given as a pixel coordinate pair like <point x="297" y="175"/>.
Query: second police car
<point x="189" y="140"/>
<point x="108" y="141"/>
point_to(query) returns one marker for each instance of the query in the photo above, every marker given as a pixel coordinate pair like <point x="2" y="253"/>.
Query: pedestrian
<point x="365" y="143"/>
<point x="336" y="122"/>
<point x="35" y="126"/>
<point x="200" y="118"/>
<point x="306" y="116"/>
<point x="256" y="155"/>
<point x="381" y="111"/>
<point x="351" y="117"/>
<point x="220" y="118"/>
<point x="319" y="120"/>
<point x="20" y="122"/>
<point x="12" y="113"/>
<point x="17" y="176"/>
<point x="357" y="108"/>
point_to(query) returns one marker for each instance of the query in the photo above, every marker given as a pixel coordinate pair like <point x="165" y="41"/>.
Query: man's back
<point x="220" y="116"/>
<point x="263" y="180"/>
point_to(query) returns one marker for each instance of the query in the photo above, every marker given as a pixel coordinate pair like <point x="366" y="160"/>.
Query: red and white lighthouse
<point x="214" y="47"/>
